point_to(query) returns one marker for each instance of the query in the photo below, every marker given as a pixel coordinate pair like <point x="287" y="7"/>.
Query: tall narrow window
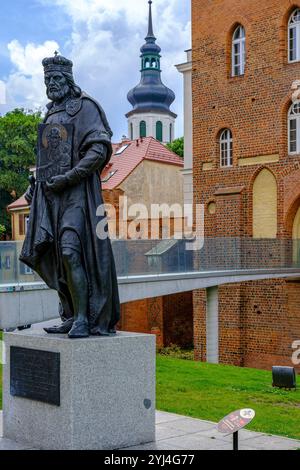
<point x="226" y="153"/>
<point x="159" y="131"/>
<point x="238" y="52"/>
<point x="294" y="128"/>
<point x="171" y="132"/>
<point x="143" y="129"/>
<point x="294" y="36"/>
<point x="153" y="63"/>
<point x="7" y="262"/>
<point x="21" y="224"/>
<point x="131" y="131"/>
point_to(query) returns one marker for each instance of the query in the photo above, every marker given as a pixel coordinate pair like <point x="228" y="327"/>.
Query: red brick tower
<point x="246" y="114"/>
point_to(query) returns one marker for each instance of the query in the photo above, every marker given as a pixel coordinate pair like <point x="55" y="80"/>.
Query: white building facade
<point x="186" y="70"/>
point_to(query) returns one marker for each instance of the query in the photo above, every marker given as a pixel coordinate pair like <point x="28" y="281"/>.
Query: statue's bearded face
<point x="57" y="86"/>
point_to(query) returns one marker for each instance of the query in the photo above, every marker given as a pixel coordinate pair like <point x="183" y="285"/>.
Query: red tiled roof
<point x="147" y="148"/>
<point x="18" y="204"/>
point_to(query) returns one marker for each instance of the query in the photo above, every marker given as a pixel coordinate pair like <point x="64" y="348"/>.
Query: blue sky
<point x="101" y="37"/>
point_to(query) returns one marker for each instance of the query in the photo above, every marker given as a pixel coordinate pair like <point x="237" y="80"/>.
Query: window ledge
<point x="229" y="190"/>
<point x="293" y="62"/>
<point x="232" y="79"/>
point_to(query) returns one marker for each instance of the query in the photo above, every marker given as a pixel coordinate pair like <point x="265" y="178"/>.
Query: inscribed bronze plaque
<point x="35" y="375"/>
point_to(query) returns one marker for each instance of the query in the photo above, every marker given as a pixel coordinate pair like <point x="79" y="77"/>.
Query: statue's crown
<point x="57" y="63"/>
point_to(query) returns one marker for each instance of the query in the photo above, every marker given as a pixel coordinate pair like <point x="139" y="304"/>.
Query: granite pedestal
<point x="105" y="398"/>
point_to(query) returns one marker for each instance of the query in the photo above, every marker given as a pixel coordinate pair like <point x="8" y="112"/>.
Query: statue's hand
<point x="57" y="184"/>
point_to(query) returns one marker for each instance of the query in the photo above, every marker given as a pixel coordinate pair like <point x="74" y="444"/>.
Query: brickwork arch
<point x="283" y="111"/>
<point x="255" y="175"/>
<point x="291" y="215"/>
<point x="296" y="238"/>
<point x="265" y="205"/>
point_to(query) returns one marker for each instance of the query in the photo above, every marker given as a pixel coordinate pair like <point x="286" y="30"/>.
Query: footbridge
<point x="149" y="269"/>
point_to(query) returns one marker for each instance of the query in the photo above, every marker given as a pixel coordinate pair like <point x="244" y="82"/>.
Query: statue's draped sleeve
<point x="94" y="150"/>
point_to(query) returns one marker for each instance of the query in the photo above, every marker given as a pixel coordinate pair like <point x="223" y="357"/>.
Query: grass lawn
<point x="211" y="392"/>
<point x="0" y="387"/>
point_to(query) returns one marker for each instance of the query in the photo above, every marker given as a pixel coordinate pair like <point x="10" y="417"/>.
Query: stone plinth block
<point x="96" y="393"/>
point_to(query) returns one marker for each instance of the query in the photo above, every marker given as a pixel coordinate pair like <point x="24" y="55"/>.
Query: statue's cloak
<point x="75" y="209"/>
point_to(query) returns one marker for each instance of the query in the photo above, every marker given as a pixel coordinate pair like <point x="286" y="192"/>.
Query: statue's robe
<point x="75" y="209"/>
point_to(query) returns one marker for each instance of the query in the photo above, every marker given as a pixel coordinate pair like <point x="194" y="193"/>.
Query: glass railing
<point x="153" y="257"/>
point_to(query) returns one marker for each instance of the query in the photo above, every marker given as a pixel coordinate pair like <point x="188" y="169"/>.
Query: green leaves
<point x="177" y="146"/>
<point x="18" y="140"/>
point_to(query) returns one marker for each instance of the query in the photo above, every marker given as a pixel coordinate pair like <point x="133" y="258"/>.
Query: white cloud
<point x="27" y="60"/>
<point x="25" y="85"/>
<point x="104" y="45"/>
<point x="2" y="93"/>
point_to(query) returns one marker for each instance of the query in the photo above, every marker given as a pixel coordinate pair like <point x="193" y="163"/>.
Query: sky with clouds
<point x="102" y="37"/>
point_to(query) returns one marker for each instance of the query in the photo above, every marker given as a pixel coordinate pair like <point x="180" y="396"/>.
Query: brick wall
<point x="178" y="319"/>
<point x="170" y="318"/>
<point x="258" y="323"/>
<point x="254" y="107"/>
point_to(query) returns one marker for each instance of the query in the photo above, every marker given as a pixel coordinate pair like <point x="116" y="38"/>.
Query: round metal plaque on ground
<point x="234" y="422"/>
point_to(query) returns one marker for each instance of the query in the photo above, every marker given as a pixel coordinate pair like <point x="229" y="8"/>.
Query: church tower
<point x="151" y="99"/>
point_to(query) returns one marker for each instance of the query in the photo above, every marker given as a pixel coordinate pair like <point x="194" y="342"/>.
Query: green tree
<point x="18" y="137"/>
<point x="177" y="146"/>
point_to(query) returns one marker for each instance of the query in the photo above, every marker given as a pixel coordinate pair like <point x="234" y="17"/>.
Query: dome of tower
<point x="151" y="94"/>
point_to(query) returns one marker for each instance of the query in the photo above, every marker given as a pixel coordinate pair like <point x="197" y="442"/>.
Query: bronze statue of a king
<point x="61" y="245"/>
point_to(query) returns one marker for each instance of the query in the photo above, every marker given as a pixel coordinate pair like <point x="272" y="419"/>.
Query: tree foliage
<point x="177" y="146"/>
<point x="18" y="137"/>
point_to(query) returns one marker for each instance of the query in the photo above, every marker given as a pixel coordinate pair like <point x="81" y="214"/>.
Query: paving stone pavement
<point x="174" y="432"/>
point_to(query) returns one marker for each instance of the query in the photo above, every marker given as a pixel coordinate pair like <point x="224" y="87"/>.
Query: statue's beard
<point x="58" y="95"/>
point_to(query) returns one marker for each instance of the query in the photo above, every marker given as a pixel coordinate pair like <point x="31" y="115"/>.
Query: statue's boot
<point x="80" y="329"/>
<point x="62" y="329"/>
<point x="97" y="331"/>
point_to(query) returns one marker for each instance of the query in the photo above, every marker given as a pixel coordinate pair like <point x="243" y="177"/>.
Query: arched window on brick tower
<point x="159" y="131"/>
<point x="265" y="205"/>
<point x="294" y="128"/>
<point x="143" y="129"/>
<point x="294" y="36"/>
<point x="226" y="148"/>
<point x="238" y="51"/>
